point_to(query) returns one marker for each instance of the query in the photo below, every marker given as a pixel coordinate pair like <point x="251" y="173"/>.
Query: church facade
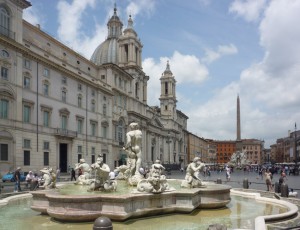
<point x="57" y="107"/>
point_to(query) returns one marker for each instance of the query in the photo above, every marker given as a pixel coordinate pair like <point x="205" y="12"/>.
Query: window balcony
<point x="65" y="133"/>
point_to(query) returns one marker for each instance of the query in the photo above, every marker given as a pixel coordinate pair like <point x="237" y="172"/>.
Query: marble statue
<point x="85" y="168"/>
<point x="48" y="178"/>
<point x="156" y="182"/>
<point x="192" y="179"/>
<point x="102" y="180"/>
<point x="134" y="153"/>
<point x="238" y="159"/>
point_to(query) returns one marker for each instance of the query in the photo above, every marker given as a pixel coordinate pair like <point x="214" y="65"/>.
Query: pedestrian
<point x="29" y="178"/>
<point x="228" y="173"/>
<point x="268" y="178"/>
<point x="17" y="178"/>
<point x="73" y="174"/>
<point x="57" y="174"/>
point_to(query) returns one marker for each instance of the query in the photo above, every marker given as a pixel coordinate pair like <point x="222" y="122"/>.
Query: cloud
<point x="33" y="16"/>
<point x="222" y="50"/>
<point x="70" y="27"/>
<point x="187" y="69"/>
<point x="250" y="10"/>
<point x="140" y="7"/>
<point x="268" y="89"/>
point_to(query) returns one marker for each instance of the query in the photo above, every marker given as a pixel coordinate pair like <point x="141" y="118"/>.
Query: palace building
<point x="57" y="107"/>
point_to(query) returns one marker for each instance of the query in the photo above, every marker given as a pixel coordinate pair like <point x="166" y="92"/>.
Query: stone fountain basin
<point x="80" y="208"/>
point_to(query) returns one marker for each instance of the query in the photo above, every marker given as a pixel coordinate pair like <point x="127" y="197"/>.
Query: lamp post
<point x="296" y="169"/>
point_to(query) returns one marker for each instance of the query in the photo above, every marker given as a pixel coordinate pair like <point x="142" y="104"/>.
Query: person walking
<point x="73" y="174"/>
<point x="268" y="178"/>
<point x="17" y="177"/>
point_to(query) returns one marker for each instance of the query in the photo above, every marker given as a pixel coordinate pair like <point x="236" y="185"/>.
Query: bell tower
<point x="168" y="94"/>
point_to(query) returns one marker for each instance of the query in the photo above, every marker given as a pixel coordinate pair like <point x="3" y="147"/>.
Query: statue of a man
<point x="133" y="148"/>
<point x="85" y="168"/>
<point x="102" y="180"/>
<point x="191" y="178"/>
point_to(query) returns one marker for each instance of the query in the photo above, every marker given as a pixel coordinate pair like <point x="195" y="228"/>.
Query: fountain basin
<point x="119" y="207"/>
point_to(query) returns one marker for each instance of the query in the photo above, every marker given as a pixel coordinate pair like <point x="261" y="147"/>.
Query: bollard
<point x="284" y="190"/>
<point x="219" y="181"/>
<point x="277" y="188"/>
<point x="102" y="223"/>
<point x="245" y="183"/>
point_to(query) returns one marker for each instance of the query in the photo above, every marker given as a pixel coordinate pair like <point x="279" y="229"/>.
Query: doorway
<point x="63" y="157"/>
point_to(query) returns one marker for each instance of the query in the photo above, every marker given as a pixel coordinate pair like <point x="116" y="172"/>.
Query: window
<point x="46" y="88"/>
<point x="93" y="128"/>
<point x="93" y="151"/>
<point x="120" y="131"/>
<point x="4" y="21"/>
<point x="166" y="88"/>
<point x="104" y="131"/>
<point x="46" y="145"/>
<point x="79" y="87"/>
<point x="27" y="64"/>
<point x="26" y="114"/>
<point x="104" y="110"/>
<point x="26" y="82"/>
<point x="26" y="157"/>
<point x="26" y="143"/>
<point x="93" y="159"/>
<point x="79" y="101"/>
<point x="93" y="92"/>
<point x="4" y="73"/>
<point x="46" y="72"/>
<point x="79" y="149"/>
<point x="93" y="106"/>
<point x="46" y="115"/>
<point x="3" y="152"/>
<point x="4" y="54"/>
<point x="102" y="77"/>
<point x="79" y="126"/>
<point x="64" y="95"/>
<point x="3" y="109"/>
<point x="64" y="120"/>
<point x="64" y="80"/>
<point x="46" y="158"/>
<point x="79" y="157"/>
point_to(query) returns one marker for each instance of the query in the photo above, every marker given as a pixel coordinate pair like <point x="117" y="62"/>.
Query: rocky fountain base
<point x="79" y="208"/>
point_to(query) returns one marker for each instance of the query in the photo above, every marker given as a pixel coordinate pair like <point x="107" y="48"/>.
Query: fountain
<point x="137" y="197"/>
<point x="150" y="196"/>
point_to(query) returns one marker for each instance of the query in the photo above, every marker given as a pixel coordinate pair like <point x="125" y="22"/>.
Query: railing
<point x="65" y="133"/>
<point x="6" y="32"/>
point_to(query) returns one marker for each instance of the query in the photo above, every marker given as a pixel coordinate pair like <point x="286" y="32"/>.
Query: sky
<point x="217" y="50"/>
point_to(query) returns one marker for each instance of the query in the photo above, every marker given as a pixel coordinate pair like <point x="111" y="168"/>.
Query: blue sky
<point x="216" y="49"/>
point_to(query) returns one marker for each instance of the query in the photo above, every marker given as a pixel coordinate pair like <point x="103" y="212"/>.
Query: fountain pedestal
<point x="80" y="208"/>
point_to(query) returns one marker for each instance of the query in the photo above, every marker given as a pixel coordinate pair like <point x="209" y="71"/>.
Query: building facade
<point x="58" y="107"/>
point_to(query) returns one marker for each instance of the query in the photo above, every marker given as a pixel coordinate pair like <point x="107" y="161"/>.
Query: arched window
<point x="4" y="21"/>
<point x="120" y="129"/>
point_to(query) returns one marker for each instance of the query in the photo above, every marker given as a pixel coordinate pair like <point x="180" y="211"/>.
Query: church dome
<point x="107" y="52"/>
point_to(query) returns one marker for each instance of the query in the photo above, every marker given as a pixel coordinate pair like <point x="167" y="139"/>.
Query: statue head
<point x="82" y="160"/>
<point x="197" y="160"/>
<point x="134" y="125"/>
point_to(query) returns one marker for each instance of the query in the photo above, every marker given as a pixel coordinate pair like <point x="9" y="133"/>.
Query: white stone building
<point x="57" y="106"/>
